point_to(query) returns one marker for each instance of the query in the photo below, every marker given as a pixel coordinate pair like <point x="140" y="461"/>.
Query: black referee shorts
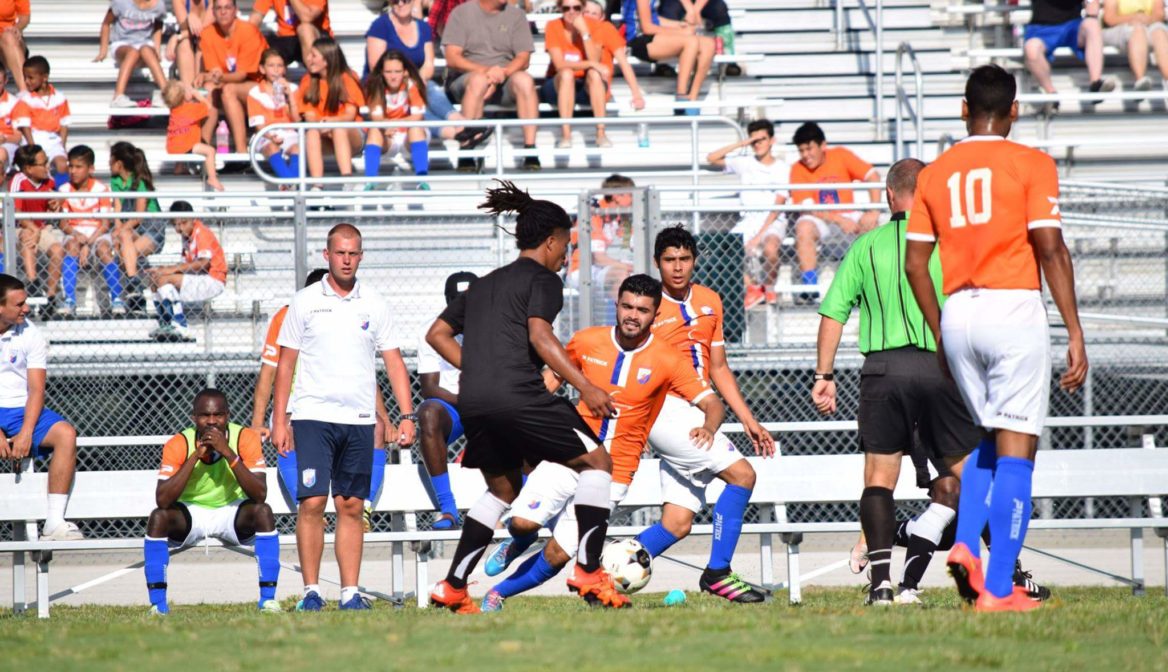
<point x="549" y="429"/>
<point x="903" y="396"/>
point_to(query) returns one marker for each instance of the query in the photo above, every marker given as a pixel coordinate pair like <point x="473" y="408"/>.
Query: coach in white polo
<point x="334" y="329"/>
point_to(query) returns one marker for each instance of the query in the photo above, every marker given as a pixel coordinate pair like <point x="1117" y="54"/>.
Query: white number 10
<point x="976" y="211"/>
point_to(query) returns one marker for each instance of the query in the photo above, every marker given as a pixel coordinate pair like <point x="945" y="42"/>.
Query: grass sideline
<point x="1082" y="628"/>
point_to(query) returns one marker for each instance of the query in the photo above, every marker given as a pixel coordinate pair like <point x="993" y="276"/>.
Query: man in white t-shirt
<point x="27" y="428"/>
<point x="333" y="330"/>
<point x="439" y="424"/>
<point x="762" y="231"/>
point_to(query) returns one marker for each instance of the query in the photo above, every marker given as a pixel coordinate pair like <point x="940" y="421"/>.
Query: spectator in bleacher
<point x="654" y="38"/>
<point x="38" y="235"/>
<point x="1130" y="26"/>
<point x="9" y="137"/>
<point x="200" y="276"/>
<point x="698" y="12"/>
<point x="610" y="249"/>
<point x="819" y="163"/>
<point x="1061" y="23"/>
<point x="329" y="92"/>
<point x="298" y="24"/>
<point x="439" y="15"/>
<point x="399" y="30"/>
<point x="191" y="118"/>
<point x="576" y="74"/>
<point x="762" y="232"/>
<point x="274" y="102"/>
<point x="212" y="484"/>
<point x="594" y="9"/>
<point x="183" y="49"/>
<point x="142" y="233"/>
<point x="87" y="236"/>
<point x="395" y="91"/>
<point x="42" y="116"/>
<point x="231" y="67"/>
<point x="14" y="18"/>
<point x="488" y="48"/>
<point x="132" y="29"/>
<point x="34" y="430"/>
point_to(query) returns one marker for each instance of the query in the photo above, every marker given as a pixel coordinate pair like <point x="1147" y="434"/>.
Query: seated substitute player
<point x="991" y="205"/>
<point x="201" y="276"/>
<point x="212" y="484"/>
<point x="690" y="319"/>
<point x="438" y="422"/>
<point x="638" y="369"/>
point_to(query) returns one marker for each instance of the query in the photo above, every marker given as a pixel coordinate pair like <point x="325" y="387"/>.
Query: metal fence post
<point x="584" y="254"/>
<point x="10" y="234"/>
<point x="300" y="239"/>
<point x="640" y="238"/>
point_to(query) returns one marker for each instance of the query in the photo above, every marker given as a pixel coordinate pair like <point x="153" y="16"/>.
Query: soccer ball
<point x="629" y="565"/>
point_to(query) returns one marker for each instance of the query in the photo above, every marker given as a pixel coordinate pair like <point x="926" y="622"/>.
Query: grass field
<point x="1081" y="629"/>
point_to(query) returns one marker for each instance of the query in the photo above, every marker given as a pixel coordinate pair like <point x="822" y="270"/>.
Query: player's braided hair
<point x="536" y="221"/>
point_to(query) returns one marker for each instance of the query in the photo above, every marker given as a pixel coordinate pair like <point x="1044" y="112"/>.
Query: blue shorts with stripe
<point x="12" y="421"/>
<point x="456" y="430"/>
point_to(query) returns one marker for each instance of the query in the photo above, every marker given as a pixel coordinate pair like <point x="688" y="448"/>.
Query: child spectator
<point x="396" y="91"/>
<point x="36" y="235"/>
<point x="85" y="234"/>
<point x="132" y="29"/>
<point x="201" y="276"/>
<point x="140" y="235"/>
<point x="9" y="137"/>
<point x="274" y="102"/>
<point x="42" y="116"/>
<point x="329" y="92"/>
<point x="190" y="116"/>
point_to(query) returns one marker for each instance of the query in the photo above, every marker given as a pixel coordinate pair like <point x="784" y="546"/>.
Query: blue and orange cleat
<point x="966" y="572"/>
<point x="492" y="601"/>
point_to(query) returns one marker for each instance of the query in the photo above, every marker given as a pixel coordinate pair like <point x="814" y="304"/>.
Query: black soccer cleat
<point x="881" y="595"/>
<point x="731" y="587"/>
<point x="1022" y="579"/>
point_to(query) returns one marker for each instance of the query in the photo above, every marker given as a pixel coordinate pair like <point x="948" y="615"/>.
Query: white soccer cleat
<point x="908" y="596"/>
<point x="66" y="531"/>
<point x="271" y="607"/>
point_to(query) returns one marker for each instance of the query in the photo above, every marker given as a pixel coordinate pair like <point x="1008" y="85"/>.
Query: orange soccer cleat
<point x="966" y="572"/>
<point x="596" y="588"/>
<point x="1017" y="600"/>
<point x="454" y="599"/>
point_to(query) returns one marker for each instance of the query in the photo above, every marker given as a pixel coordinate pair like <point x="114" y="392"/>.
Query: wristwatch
<point x="412" y="417"/>
<point x="830" y="376"/>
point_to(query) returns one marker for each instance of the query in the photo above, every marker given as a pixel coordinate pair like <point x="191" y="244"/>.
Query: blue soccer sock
<point x="157" y="556"/>
<point x="1009" y="508"/>
<point x="810" y="277"/>
<point x="69" y="269"/>
<point x="289" y="474"/>
<point x="1" y="262"/>
<point x="420" y="155"/>
<point x="533" y="572"/>
<point x="372" y="160"/>
<point x="977" y="478"/>
<point x="113" y="279"/>
<point x="281" y="166"/>
<point x="656" y="539"/>
<point x="378" y="475"/>
<point x="60" y="179"/>
<point x="728" y="514"/>
<point x="267" y="552"/>
<point x="445" y="495"/>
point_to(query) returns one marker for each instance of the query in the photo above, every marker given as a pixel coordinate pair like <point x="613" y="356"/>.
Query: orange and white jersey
<point x="7" y="107"/>
<point x="638" y="382"/>
<point x="261" y="105"/>
<point x="979" y="201"/>
<point x="96" y="199"/>
<point x="692" y="326"/>
<point x="406" y="102"/>
<point x="42" y="113"/>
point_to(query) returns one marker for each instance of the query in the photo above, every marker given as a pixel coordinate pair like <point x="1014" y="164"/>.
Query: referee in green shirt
<point x="903" y="393"/>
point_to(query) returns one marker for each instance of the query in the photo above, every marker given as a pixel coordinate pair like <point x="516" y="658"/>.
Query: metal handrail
<point x="902" y="101"/>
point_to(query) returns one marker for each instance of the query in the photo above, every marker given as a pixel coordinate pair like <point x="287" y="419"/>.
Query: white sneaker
<point x="271" y="607"/>
<point x="1143" y="83"/>
<point x="156" y="99"/>
<point x="908" y="596"/>
<point x="564" y="143"/>
<point x="66" y="531"/>
<point x="123" y="101"/>
<point x="182" y="333"/>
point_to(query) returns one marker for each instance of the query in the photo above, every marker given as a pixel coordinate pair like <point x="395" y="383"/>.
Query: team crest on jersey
<point x="364" y="319"/>
<point x="643" y="375"/>
<point x="1054" y="206"/>
<point x="308" y="477"/>
<point x="534" y="504"/>
<point x="706" y="310"/>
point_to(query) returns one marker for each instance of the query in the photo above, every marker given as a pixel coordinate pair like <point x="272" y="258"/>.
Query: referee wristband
<point x="825" y="376"/>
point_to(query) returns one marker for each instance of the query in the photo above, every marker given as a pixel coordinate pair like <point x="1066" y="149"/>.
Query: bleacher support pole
<point x="300" y="239"/>
<point x="10" y="234"/>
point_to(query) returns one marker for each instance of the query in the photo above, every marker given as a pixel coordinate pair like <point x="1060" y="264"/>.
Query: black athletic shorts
<point x="904" y="396"/>
<point x="549" y="429"/>
<point x="639" y="47"/>
<point x="288" y="46"/>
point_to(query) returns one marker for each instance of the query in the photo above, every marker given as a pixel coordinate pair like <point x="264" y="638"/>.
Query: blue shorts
<point x="455" y="420"/>
<point x="332" y="454"/>
<point x="1059" y="35"/>
<point x="12" y="421"/>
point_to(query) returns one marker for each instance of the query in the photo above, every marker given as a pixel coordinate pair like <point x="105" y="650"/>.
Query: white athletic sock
<point x="312" y="588"/>
<point x="56" y="512"/>
<point x="932" y="522"/>
<point x="348" y="593"/>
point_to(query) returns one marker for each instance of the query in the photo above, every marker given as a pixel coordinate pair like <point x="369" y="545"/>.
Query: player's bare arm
<point x="703" y="437"/>
<point x="22" y="442"/>
<point x="285" y="370"/>
<point x="552" y="352"/>
<point x="441" y="338"/>
<point x="916" y="269"/>
<point x="389" y="430"/>
<point x="168" y="491"/>
<point x="826" y="346"/>
<point x="263" y="394"/>
<point x="551" y="381"/>
<point x="727" y="386"/>
<point x="399" y="382"/>
<point x="432" y="390"/>
<point x="1059" y="272"/>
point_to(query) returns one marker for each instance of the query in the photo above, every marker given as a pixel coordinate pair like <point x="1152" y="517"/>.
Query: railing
<point x="903" y="104"/>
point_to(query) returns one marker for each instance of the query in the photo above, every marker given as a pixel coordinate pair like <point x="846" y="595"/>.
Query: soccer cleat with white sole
<point x="500" y="558"/>
<point x="907" y="596"/>
<point x="66" y="531"/>
<point x="492" y="601"/>
<point x="270" y="607"/>
<point x="880" y="596"/>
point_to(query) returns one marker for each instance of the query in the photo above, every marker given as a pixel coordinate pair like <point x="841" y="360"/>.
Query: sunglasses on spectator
<point x="401" y="2"/>
<point x="571" y="8"/>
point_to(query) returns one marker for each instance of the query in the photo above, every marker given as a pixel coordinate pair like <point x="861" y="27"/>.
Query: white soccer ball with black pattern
<point x="629" y="565"/>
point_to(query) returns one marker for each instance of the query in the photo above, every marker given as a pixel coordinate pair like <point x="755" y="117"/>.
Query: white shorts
<point x="51" y="143"/>
<point x="214" y="523"/>
<point x="135" y="44"/>
<point x="1119" y="36"/>
<point x="548" y="498"/>
<point x="10" y="149"/>
<point x="289" y="140"/>
<point x="84" y="232"/>
<point x="198" y="287"/>
<point x="752" y="222"/>
<point x="828" y="232"/>
<point x="997" y="343"/>
<point x="686" y="470"/>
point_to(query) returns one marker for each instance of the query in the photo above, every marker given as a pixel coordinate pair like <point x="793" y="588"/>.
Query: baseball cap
<point x="458" y="283"/>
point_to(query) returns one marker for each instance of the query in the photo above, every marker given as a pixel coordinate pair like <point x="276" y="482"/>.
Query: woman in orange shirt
<point x="329" y="92"/>
<point x="14" y="18"/>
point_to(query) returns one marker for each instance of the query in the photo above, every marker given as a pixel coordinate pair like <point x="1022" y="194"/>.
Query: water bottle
<point x="279" y="97"/>
<point x="222" y="137"/>
<point x="642" y="134"/>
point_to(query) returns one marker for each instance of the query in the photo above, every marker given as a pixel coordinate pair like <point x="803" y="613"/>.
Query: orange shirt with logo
<point x="840" y="165"/>
<point x="979" y="201"/>
<point x="238" y="52"/>
<point x="94" y="200"/>
<point x="262" y="110"/>
<point x="202" y="244"/>
<point x="693" y="326"/>
<point x="602" y="32"/>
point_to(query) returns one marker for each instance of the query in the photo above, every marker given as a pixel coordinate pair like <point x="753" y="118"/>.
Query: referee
<point x="902" y="391"/>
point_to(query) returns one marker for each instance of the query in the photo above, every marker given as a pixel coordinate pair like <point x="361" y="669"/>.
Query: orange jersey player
<point x="992" y="207"/>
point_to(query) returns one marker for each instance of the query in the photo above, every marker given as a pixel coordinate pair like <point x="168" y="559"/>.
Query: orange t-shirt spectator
<point x="286" y="18"/>
<point x="602" y="33"/>
<point x="840" y="165"/>
<point x="353" y="95"/>
<point x="237" y="51"/>
<point x="11" y="11"/>
<point x="184" y="130"/>
<point x="202" y="244"/>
